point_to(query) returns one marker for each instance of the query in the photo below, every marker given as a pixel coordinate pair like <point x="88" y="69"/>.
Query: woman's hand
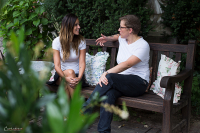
<point x="101" y="40"/>
<point x="103" y="79"/>
<point x="72" y="81"/>
<point x="76" y="80"/>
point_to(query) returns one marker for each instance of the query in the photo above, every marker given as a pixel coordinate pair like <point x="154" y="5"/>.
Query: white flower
<point x="124" y="114"/>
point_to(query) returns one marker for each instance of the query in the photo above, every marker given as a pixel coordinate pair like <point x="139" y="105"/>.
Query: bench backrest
<point x="175" y="50"/>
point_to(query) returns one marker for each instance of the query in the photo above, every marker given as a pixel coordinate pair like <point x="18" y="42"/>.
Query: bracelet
<point x="107" y="72"/>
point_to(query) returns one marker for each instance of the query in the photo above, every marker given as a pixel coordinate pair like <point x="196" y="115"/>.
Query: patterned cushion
<point x="167" y="67"/>
<point x="95" y="66"/>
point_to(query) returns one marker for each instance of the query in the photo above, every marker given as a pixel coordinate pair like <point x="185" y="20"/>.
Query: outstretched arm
<point x="104" y="39"/>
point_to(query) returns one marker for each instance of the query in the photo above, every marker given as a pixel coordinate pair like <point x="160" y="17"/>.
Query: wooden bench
<point x="150" y="101"/>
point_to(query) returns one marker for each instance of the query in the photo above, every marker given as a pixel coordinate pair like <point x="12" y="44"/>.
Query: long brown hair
<point x="67" y="37"/>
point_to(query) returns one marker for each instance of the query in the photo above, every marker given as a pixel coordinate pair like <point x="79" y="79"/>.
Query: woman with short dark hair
<point x="131" y="76"/>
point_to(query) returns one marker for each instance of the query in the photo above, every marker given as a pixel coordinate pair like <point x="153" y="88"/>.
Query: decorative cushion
<point x="95" y="67"/>
<point x="167" y="67"/>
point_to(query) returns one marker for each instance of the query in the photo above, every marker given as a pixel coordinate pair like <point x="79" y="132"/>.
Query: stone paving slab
<point x="150" y="122"/>
<point x="123" y="127"/>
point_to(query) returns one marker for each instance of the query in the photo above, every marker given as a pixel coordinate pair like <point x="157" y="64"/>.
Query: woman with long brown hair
<point x="69" y="51"/>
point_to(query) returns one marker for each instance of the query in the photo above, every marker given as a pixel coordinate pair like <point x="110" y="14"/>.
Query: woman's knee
<point x="69" y="73"/>
<point x="109" y="76"/>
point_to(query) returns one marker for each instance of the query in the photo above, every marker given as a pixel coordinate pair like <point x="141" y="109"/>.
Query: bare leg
<point x="69" y="73"/>
<point x="66" y="89"/>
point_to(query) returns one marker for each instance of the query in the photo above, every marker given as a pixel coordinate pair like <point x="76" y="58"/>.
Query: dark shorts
<point x="56" y="77"/>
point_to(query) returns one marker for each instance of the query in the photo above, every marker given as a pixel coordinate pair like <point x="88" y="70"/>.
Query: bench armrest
<point x="167" y="80"/>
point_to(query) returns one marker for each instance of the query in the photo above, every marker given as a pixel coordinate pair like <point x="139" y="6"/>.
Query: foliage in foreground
<point x="20" y="102"/>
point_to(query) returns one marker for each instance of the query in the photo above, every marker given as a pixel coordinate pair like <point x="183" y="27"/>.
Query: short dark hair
<point x="132" y="21"/>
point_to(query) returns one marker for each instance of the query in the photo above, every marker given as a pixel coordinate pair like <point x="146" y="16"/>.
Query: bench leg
<point x="167" y="111"/>
<point x="186" y="113"/>
<point x="167" y="119"/>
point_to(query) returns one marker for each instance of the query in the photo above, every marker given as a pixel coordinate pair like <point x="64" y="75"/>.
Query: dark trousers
<point x="118" y="85"/>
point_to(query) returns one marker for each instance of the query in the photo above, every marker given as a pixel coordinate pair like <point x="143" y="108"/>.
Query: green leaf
<point x="28" y="32"/>
<point x="3" y="111"/>
<point x="12" y="66"/>
<point x="40" y="36"/>
<point x="35" y="40"/>
<point x="5" y="79"/>
<point x="1" y="33"/>
<point x="37" y="10"/>
<point x="44" y="21"/>
<point x="37" y="22"/>
<point x="32" y="16"/>
<point x="28" y="42"/>
<point x="15" y="42"/>
<point x="16" y="13"/>
<point x="21" y="35"/>
<point x="42" y="9"/>
<point x="45" y="100"/>
<point x="25" y="59"/>
<point x="26" y="4"/>
<point x="9" y="25"/>
<point x="74" y="114"/>
<point x="23" y="20"/>
<point x="56" y="121"/>
<point x="63" y="99"/>
<point x="11" y="98"/>
<point x="21" y="3"/>
<point x="16" y="21"/>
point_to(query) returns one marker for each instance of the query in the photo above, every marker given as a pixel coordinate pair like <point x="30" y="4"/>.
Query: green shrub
<point x="182" y="16"/>
<point x="20" y="102"/>
<point x="100" y="16"/>
<point x="27" y="13"/>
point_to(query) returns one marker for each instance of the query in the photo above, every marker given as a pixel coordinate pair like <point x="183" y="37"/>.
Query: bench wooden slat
<point x="107" y="44"/>
<point x="169" y="47"/>
<point x="150" y="103"/>
<point x="154" y="65"/>
<point x="166" y="53"/>
<point x="104" y="49"/>
<point x="94" y="51"/>
<point x="87" y="48"/>
<point x="178" y="57"/>
<point x="113" y="57"/>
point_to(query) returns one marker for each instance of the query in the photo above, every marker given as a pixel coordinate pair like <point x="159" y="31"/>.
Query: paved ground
<point x="141" y="121"/>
